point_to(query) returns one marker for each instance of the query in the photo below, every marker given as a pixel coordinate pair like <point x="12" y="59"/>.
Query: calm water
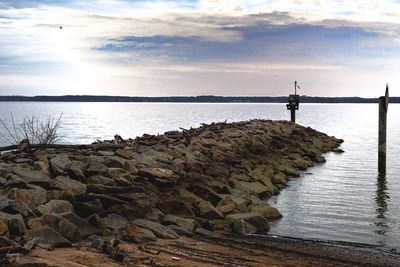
<point x="342" y="199"/>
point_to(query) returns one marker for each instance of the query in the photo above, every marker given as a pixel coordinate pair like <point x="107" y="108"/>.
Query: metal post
<point x="293" y="103"/>
<point x="383" y="108"/>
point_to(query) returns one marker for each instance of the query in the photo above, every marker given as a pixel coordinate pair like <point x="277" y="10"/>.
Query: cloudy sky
<point x="218" y="47"/>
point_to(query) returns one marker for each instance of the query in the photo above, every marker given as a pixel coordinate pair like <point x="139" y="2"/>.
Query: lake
<point x="341" y="200"/>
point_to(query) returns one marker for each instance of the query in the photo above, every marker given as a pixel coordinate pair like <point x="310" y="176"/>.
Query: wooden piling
<point x="383" y="108"/>
<point x="293" y="115"/>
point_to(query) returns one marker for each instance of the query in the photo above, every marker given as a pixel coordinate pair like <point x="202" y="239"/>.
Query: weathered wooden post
<point x="383" y="108"/>
<point x="293" y="104"/>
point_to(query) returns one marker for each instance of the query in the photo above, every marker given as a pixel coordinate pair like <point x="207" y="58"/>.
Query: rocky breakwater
<point x="190" y="182"/>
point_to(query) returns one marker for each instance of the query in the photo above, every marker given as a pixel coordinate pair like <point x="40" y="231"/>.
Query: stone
<point x="58" y="164"/>
<point x="267" y="211"/>
<point x="87" y="208"/>
<point x="39" y="166"/>
<point x="3" y="226"/>
<point x="99" y="179"/>
<point x="64" y="183"/>
<point x="130" y="166"/>
<point x="114" y="221"/>
<point x="31" y="176"/>
<point x="15" y="223"/>
<point x="175" y="206"/>
<point x="136" y="234"/>
<point x="15" y="181"/>
<point x="31" y="197"/>
<point x="238" y="202"/>
<point x="83" y="227"/>
<point x="114" y="162"/>
<point x="207" y="211"/>
<point x="61" y="195"/>
<point x="96" y="168"/>
<point x="155" y="215"/>
<point x="242" y="227"/>
<point x="76" y="169"/>
<point x="254" y="218"/>
<point x="158" y="229"/>
<point x="58" y="223"/>
<point x="255" y="188"/>
<point x="205" y="193"/>
<point x="16" y="207"/>
<point x="125" y="153"/>
<point x="159" y="176"/>
<point x="183" y="223"/>
<point x="55" y="206"/>
<point x="48" y="237"/>
<point x="338" y="150"/>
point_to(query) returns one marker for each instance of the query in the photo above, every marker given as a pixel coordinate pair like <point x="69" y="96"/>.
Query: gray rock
<point x="242" y="227"/>
<point x="31" y="176"/>
<point x="96" y="168"/>
<point x="58" y="164"/>
<point x="158" y="229"/>
<point x="83" y="227"/>
<point x="114" y="221"/>
<point x="207" y="211"/>
<point x="183" y="223"/>
<point x="55" y="206"/>
<point x="15" y="223"/>
<point x="76" y="170"/>
<point x="31" y="197"/>
<point x="48" y="237"/>
<point x="67" y="184"/>
<point x="205" y="193"/>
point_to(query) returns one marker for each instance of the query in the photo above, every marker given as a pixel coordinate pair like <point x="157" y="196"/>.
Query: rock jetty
<point x="215" y="178"/>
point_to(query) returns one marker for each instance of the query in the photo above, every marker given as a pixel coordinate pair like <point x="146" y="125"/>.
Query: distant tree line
<point x="193" y="99"/>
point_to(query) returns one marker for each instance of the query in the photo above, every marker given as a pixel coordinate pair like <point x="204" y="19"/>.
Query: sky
<point x="204" y="47"/>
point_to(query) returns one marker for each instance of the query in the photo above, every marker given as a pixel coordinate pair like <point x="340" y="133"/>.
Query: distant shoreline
<point x="192" y="99"/>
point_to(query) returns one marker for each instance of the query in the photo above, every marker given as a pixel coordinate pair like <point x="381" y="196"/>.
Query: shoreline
<point x="205" y="181"/>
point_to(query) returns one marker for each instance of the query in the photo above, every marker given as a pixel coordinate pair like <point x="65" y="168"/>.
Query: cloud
<point x="188" y="41"/>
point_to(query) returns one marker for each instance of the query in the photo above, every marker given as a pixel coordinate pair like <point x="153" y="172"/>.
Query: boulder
<point x="254" y="218"/>
<point x="114" y="221"/>
<point x="136" y="234"/>
<point x="31" y="197"/>
<point x="183" y="223"/>
<point x="84" y="228"/>
<point x="66" y="184"/>
<point x="242" y="227"/>
<point x="76" y="169"/>
<point x="267" y="211"/>
<point x="114" y="162"/>
<point x="95" y="167"/>
<point x="255" y="188"/>
<point x="158" y="229"/>
<point x="31" y="176"/>
<point x="58" y="164"/>
<point x="205" y="193"/>
<point x="90" y="207"/>
<point x="48" y="237"/>
<point x="15" y="223"/>
<point x="125" y="153"/>
<point x="55" y="206"/>
<point x="175" y="206"/>
<point x="159" y="176"/>
<point x="207" y="211"/>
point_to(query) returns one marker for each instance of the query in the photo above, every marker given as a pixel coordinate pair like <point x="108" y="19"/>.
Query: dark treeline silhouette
<point x="194" y="99"/>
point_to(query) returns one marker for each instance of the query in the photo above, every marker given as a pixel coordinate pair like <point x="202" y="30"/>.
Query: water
<point x="342" y="199"/>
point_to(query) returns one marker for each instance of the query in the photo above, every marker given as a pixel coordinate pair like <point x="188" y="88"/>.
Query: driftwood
<point x="92" y="146"/>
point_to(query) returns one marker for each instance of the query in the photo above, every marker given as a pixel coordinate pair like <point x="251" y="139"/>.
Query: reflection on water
<point x="381" y="199"/>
